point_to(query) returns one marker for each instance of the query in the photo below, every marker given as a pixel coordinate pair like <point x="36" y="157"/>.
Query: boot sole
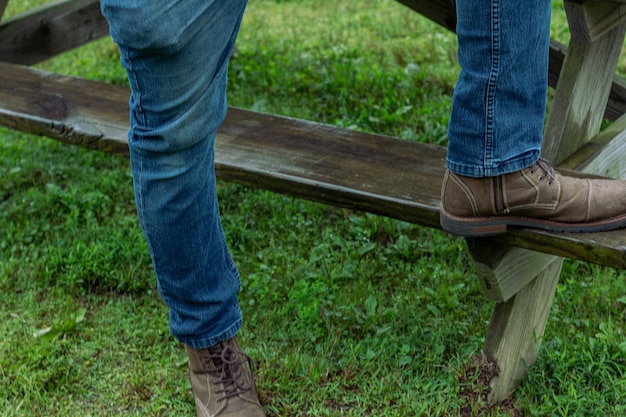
<point x="498" y="225"/>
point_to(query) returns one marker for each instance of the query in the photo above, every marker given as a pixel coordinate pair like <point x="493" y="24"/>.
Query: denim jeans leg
<point x="499" y="101"/>
<point x="176" y="57"/>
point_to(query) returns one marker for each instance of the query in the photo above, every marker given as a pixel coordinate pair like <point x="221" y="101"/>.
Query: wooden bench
<point x="373" y="173"/>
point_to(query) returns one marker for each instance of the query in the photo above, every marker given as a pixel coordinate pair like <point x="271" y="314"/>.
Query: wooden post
<point x="516" y="330"/>
<point x="517" y="325"/>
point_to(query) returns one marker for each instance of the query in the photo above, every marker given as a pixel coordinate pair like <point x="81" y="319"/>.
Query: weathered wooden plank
<point x="44" y="32"/>
<point x="384" y="175"/>
<point x="322" y="163"/>
<point x="347" y="168"/>
<point x="606" y="248"/>
<point x="68" y="109"/>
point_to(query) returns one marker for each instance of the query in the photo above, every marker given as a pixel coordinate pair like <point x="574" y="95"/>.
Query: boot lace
<point x="228" y="368"/>
<point x="547" y="170"/>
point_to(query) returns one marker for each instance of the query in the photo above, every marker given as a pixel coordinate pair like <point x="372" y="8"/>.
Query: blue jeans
<point x="176" y="57"/>
<point x="499" y="102"/>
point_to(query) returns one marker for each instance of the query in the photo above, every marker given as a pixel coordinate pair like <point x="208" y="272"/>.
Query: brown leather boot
<point x="536" y="197"/>
<point x="222" y="381"/>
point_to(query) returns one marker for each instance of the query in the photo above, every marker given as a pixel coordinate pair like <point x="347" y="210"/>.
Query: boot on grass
<point x="222" y="381"/>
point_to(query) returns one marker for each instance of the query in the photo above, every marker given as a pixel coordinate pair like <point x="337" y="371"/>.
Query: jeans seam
<point x="492" y="83"/>
<point x="139" y="156"/>
<point x="138" y="112"/>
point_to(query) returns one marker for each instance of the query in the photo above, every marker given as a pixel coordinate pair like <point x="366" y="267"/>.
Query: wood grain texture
<point x="44" y="32"/>
<point x="591" y="20"/>
<point x="604" y="154"/>
<point x="516" y="330"/>
<point x="504" y="270"/>
<point x="72" y="110"/>
<point x="616" y="105"/>
<point x="366" y="172"/>
<point x="582" y="94"/>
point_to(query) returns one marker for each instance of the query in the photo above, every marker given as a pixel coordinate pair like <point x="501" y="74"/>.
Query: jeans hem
<point x="475" y="171"/>
<point x="213" y="340"/>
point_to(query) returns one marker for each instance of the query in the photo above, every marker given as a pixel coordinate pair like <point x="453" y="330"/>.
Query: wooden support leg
<point x="523" y="283"/>
<point x="585" y="82"/>
<point x="516" y="330"/>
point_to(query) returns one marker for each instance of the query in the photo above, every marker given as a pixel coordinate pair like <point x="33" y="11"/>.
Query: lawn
<point x="346" y="313"/>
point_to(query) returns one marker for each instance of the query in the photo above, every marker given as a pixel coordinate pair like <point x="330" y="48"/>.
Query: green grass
<point x="347" y="314"/>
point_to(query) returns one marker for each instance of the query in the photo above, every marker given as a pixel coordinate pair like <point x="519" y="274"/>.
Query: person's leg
<point x="499" y="101"/>
<point x="495" y="178"/>
<point x="176" y="57"/>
